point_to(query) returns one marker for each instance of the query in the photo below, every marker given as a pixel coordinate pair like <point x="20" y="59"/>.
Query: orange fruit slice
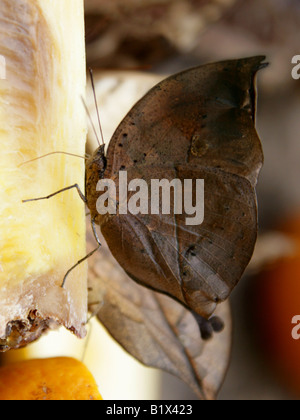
<point x="57" y="379"/>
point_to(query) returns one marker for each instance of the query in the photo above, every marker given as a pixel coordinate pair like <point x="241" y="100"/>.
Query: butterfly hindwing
<point x="198" y="265"/>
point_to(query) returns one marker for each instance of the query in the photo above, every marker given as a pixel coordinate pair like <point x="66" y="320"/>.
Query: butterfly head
<point x="94" y="171"/>
<point x="97" y="163"/>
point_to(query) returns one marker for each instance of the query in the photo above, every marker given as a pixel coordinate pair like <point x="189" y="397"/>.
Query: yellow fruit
<point x="59" y="379"/>
<point x="41" y="111"/>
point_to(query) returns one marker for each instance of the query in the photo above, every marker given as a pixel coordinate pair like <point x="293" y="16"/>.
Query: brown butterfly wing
<point x="201" y="116"/>
<point x="198" y="265"/>
<point x="195" y="125"/>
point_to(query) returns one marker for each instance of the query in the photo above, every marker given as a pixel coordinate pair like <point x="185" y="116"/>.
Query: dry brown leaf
<point x="156" y="330"/>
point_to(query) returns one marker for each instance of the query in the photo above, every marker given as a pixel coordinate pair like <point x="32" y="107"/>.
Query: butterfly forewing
<point x="204" y="115"/>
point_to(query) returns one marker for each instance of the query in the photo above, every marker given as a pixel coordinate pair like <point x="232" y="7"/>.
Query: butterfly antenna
<point x="91" y="121"/>
<point x="50" y="154"/>
<point x="96" y="104"/>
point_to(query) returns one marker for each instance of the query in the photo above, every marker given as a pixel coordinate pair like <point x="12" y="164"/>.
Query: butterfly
<point x="195" y="125"/>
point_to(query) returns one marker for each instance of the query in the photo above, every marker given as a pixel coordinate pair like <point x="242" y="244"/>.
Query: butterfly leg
<point x="87" y="256"/>
<point x="81" y="195"/>
<point x="77" y="264"/>
<point x="209" y="327"/>
<point x="95" y="232"/>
